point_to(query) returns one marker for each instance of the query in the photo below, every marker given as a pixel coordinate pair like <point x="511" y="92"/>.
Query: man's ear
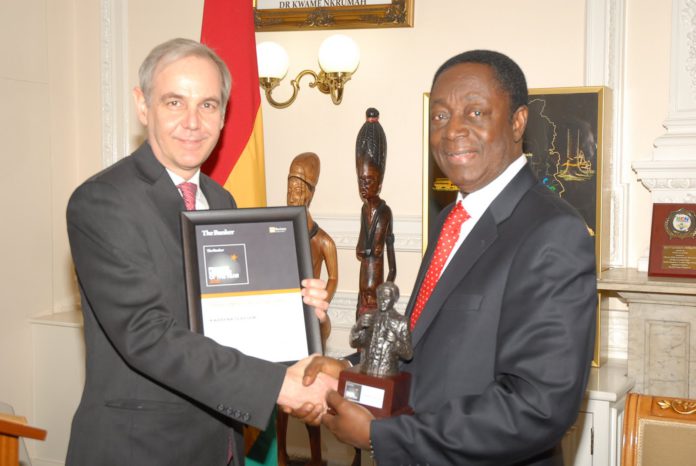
<point x="519" y="123"/>
<point x="140" y="105"/>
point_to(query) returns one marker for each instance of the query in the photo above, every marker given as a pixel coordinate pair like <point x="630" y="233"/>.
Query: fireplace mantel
<point x="661" y="330"/>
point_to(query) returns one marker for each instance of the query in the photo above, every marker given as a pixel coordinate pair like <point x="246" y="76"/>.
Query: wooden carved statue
<point x="302" y="181"/>
<point x="375" y="217"/>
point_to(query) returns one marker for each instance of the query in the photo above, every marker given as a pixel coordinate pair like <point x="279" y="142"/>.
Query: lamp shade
<point x="339" y="54"/>
<point x="272" y="60"/>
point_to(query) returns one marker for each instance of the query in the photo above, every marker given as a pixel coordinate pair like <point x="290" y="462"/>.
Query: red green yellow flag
<point x="237" y="162"/>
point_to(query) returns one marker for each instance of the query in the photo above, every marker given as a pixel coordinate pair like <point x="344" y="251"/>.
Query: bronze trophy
<point x="384" y="338"/>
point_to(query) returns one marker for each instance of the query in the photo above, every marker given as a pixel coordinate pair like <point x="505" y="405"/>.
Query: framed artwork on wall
<point x="307" y="15"/>
<point x="566" y="143"/>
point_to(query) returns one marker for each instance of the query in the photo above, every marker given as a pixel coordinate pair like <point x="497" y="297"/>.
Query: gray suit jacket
<point x="502" y="350"/>
<point x="155" y="393"/>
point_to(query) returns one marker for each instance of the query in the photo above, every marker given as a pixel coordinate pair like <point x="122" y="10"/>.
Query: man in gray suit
<point x="157" y="393"/>
<point x="503" y="341"/>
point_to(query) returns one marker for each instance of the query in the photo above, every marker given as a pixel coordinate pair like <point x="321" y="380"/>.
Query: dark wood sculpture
<point x="302" y="181"/>
<point x="375" y="217"/>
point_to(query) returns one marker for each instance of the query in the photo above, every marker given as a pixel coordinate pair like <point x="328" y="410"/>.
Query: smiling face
<point x="184" y="116"/>
<point x="473" y="136"/>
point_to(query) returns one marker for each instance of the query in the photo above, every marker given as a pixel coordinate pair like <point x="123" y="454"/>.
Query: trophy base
<point x="382" y="396"/>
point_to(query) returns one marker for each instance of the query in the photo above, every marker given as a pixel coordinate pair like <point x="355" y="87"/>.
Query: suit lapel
<point x="481" y="237"/>
<point x="165" y="197"/>
<point x="476" y="243"/>
<point x="212" y="195"/>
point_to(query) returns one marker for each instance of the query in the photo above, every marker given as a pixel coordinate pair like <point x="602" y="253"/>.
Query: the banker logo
<point x="226" y="264"/>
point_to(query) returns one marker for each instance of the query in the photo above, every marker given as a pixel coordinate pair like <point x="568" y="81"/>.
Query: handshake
<point x="309" y="394"/>
<point x="306" y="387"/>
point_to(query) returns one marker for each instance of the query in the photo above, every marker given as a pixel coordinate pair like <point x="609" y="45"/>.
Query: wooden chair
<point x="659" y="431"/>
<point x="12" y="429"/>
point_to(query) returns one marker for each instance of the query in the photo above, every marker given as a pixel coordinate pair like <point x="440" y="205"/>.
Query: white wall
<point x="49" y="128"/>
<point x="25" y="236"/>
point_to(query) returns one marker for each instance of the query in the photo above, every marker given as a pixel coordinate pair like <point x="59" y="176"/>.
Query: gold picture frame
<point x="567" y="143"/>
<point x="307" y="15"/>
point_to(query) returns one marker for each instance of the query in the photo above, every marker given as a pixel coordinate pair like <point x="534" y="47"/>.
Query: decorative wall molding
<point x="604" y="66"/>
<point x="671" y="174"/>
<point x="344" y="229"/>
<point x="342" y="312"/>
<point x="668" y="180"/>
<point x="687" y="16"/>
<point x="114" y="73"/>
<point x="344" y="303"/>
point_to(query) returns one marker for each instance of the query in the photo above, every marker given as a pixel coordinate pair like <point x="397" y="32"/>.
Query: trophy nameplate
<point x="383" y="396"/>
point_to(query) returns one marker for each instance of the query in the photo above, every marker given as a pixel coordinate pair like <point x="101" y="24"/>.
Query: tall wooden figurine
<point x="376" y="234"/>
<point x="302" y="181"/>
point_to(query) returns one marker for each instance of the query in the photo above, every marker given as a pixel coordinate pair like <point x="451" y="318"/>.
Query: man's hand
<point x="323" y="364"/>
<point x="350" y="423"/>
<point x="294" y="395"/>
<point x="314" y="294"/>
<point x="319" y="368"/>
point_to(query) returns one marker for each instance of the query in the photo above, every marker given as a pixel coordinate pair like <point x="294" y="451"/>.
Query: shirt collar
<point x="478" y="201"/>
<point x="176" y="179"/>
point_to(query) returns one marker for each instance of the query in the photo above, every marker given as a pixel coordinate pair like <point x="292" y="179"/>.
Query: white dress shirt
<point x="477" y="202"/>
<point x="201" y="201"/>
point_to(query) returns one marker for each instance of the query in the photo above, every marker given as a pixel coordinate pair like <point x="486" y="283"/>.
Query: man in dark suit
<point x="157" y="393"/>
<point x="503" y="342"/>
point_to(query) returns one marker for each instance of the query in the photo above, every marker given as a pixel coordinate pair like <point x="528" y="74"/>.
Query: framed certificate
<point x="243" y="271"/>
<point x="673" y="241"/>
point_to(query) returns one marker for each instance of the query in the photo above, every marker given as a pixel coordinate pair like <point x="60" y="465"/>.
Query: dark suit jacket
<point x="502" y="350"/>
<point x="155" y="393"/>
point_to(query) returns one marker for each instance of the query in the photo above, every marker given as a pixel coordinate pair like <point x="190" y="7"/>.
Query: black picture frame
<point x="243" y="269"/>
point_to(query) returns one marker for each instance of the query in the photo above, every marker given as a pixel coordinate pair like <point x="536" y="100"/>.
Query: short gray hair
<point x="176" y="49"/>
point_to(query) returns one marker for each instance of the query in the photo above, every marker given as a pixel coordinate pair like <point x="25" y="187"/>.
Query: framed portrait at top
<point x="566" y="144"/>
<point x="243" y="270"/>
<point x="307" y="15"/>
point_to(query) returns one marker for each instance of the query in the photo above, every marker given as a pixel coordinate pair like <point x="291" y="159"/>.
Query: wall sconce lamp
<point x="338" y="59"/>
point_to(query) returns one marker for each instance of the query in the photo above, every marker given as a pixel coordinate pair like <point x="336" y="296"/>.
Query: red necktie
<point x="188" y="191"/>
<point x="448" y="237"/>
